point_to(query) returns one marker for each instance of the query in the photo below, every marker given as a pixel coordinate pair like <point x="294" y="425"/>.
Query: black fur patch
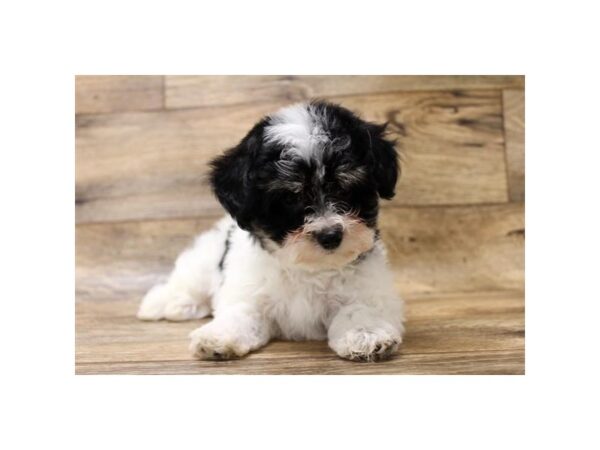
<point x="227" y="245"/>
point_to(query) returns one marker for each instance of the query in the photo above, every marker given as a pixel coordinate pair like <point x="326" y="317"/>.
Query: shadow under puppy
<point x="300" y="256"/>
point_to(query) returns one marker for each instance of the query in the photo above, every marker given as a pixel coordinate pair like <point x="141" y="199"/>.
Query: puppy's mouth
<point x="327" y="243"/>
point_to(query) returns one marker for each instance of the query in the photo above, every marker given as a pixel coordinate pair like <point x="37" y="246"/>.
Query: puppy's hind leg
<point x="187" y="293"/>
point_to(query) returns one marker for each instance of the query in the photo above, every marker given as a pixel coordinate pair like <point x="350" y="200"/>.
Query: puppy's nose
<point x="329" y="238"/>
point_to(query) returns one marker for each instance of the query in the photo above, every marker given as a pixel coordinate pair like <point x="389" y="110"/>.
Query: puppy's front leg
<point x="234" y="332"/>
<point x="362" y="333"/>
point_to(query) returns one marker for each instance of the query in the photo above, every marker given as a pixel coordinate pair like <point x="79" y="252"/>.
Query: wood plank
<point x="114" y="93"/>
<point x="506" y="362"/>
<point x="202" y="91"/>
<point x="115" y="261"/>
<point x="514" y="129"/>
<point x="153" y="165"/>
<point x="461" y="248"/>
<point x="433" y="249"/>
<point x="480" y="332"/>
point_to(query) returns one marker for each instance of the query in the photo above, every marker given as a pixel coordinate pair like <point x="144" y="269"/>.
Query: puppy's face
<point x="306" y="183"/>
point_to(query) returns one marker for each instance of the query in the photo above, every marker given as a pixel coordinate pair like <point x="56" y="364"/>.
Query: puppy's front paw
<point x="366" y="345"/>
<point x="209" y="342"/>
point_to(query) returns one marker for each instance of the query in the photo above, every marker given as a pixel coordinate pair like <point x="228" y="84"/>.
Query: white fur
<point x="258" y="297"/>
<point x="299" y="128"/>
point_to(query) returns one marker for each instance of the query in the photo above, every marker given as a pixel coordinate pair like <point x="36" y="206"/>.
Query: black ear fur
<point x="386" y="166"/>
<point x="231" y="177"/>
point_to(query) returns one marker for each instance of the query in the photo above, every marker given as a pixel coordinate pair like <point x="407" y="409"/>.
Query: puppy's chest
<point x="302" y="305"/>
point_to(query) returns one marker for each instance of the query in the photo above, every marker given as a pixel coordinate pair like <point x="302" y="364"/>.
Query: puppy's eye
<point x="337" y="185"/>
<point x="350" y="177"/>
<point x="331" y="186"/>
<point x="289" y="197"/>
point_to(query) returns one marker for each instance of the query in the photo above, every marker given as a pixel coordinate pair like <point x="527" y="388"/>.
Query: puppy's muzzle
<point x="329" y="238"/>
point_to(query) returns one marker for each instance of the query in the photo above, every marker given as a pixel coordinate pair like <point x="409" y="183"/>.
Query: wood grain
<point x="514" y="129"/>
<point x="115" y="261"/>
<point x="105" y="94"/>
<point x="152" y="165"/>
<point x="476" y="333"/>
<point x="504" y="362"/>
<point x="203" y="91"/>
<point x="451" y="144"/>
<point x="433" y="249"/>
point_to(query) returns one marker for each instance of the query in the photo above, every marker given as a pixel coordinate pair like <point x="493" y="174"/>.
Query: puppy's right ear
<point x="231" y="177"/>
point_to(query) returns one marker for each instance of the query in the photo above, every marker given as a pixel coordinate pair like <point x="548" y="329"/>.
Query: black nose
<point x="329" y="238"/>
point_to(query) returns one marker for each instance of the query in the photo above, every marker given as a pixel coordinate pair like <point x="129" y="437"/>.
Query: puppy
<point x="299" y="256"/>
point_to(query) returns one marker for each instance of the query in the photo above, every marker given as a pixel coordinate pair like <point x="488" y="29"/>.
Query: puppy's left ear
<point x="386" y="167"/>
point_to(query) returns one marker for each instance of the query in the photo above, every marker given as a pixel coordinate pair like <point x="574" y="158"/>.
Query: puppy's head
<point x="306" y="182"/>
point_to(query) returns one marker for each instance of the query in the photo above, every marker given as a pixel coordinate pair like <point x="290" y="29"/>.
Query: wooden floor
<point x="455" y="231"/>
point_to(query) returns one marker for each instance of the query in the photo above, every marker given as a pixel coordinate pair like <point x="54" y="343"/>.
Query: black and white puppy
<point x="299" y="257"/>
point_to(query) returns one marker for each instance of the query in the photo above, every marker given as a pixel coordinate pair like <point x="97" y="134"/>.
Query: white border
<point x="46" y="43"/>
